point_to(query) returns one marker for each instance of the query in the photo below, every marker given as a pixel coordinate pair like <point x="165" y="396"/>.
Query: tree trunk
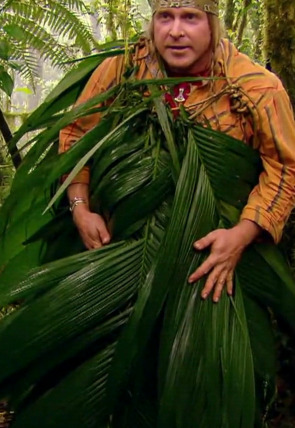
<point x="280" y="41"/>
<point x="7" y="135"/>
<point x="243" y="21"/>
<point x="229" y="14"/>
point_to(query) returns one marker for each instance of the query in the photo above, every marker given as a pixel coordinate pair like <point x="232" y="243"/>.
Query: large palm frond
<point x="117" y="337"/>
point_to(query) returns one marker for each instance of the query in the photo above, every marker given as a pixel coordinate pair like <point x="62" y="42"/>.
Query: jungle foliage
<point x="90" y="323"/>
<point x="51" y="29"/>
<point x="31" y="31"/>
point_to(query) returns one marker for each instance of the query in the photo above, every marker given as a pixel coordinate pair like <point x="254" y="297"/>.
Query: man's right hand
<point x="91" y="226"/>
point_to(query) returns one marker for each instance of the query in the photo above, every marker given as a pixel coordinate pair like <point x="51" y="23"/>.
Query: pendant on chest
<point x="180" y="97"/>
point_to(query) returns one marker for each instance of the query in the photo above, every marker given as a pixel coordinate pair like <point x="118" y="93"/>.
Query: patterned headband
<point x="209" y="6"/>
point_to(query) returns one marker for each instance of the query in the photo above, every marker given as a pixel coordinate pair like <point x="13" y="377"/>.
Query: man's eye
<point x="191" y="16"/>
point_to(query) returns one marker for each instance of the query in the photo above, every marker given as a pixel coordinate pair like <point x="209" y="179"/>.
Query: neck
<point x="202" y="68"/>
<point x="196" y="73"/>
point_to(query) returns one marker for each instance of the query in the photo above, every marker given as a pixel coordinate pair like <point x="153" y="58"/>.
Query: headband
<point x="209" y="6"/>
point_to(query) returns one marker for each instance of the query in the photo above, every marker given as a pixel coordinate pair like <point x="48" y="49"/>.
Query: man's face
<point x="182" y="37"/>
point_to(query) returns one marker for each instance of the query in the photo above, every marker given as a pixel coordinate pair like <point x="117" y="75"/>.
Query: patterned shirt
<point x="245" y="101"/>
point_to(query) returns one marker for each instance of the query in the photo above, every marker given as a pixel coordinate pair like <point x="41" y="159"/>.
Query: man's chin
<point x="176" y="67"/>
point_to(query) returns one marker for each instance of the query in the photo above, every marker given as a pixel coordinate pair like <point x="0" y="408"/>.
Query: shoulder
<point x="242" y="70"/>
<point x="106" y="73"/>
<point x="139" y="56"/>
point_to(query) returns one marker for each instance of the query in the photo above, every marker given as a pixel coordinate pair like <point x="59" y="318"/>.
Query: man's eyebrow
<point x="164" y="10"/>
<point x="191" y="12"/>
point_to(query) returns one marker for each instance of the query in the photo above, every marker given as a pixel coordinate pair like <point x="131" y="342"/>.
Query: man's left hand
<point x="227" y="246"/>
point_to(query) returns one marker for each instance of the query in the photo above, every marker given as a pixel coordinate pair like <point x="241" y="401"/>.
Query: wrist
<point x="76" y="201"/>
<point x="248" y="230"/>
<point x="80" y="214"/>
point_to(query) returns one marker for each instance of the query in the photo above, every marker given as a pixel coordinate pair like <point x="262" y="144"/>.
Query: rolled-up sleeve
<point x="271" y="201"/>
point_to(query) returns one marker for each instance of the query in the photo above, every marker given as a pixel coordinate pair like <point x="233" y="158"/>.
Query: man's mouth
<point x="177" y="48"/>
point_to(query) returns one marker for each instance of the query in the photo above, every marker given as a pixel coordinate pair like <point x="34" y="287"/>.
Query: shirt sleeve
<point x="103" y="78"/>
<point x="271" y="201"/>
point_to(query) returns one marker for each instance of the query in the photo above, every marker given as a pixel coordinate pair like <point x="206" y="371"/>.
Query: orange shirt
<point x="247" y="102"/>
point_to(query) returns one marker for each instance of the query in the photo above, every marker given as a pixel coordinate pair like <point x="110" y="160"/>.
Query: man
<point x="244" y="100"/>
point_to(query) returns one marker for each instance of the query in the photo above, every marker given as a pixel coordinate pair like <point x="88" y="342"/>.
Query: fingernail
<point x="190" y="280"/>
<point x="197" y="246"/>
<point x="204" y="295"/>
<point x="215" y="299"/>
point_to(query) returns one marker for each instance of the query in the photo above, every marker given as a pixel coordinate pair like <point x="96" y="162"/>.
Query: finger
<point x="211" y="281"/>
<point x="91" y="242"/>
<point x="202" y="270"/>
<point x="97" y="244"/>
<point x="220" y="283"/>
<point x="229" y="284"/>
<point x="104" y="234"/>
<point x="205" y="241"/>
<point x="92" y="245"/>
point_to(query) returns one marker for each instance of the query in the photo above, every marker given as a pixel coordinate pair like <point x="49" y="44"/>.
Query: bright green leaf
<point x="24" y="90"/>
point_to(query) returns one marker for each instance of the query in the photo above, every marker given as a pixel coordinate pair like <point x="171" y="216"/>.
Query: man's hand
<point x="91" y="227"/>
<point x="227" y="246"/>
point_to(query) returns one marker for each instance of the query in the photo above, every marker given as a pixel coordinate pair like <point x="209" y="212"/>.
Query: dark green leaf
<point x="4" y="49"/>
<point x="6" y="82"/>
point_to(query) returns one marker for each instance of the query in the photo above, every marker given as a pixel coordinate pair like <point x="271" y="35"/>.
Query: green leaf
<point x="175" y="410"/>
<point x="15" y="31"/>
<point x="154" y="292"/>
<point x="163" y="119"/>
<point x="79" y="392"/>
<point x="4" y="49"/>
<point x="79" y="299"/>
<point x="6" y="82"/>
<point x="261" y="332"/>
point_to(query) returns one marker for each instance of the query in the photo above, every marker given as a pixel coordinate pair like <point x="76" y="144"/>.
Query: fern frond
<point x="35" y="37"/>
<point x="61" y="18"/>
<point x="55" y="29"/>
<point x="70" y="25"/>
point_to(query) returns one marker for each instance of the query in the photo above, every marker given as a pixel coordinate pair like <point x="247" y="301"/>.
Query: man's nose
<point x="176" y="30"/>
